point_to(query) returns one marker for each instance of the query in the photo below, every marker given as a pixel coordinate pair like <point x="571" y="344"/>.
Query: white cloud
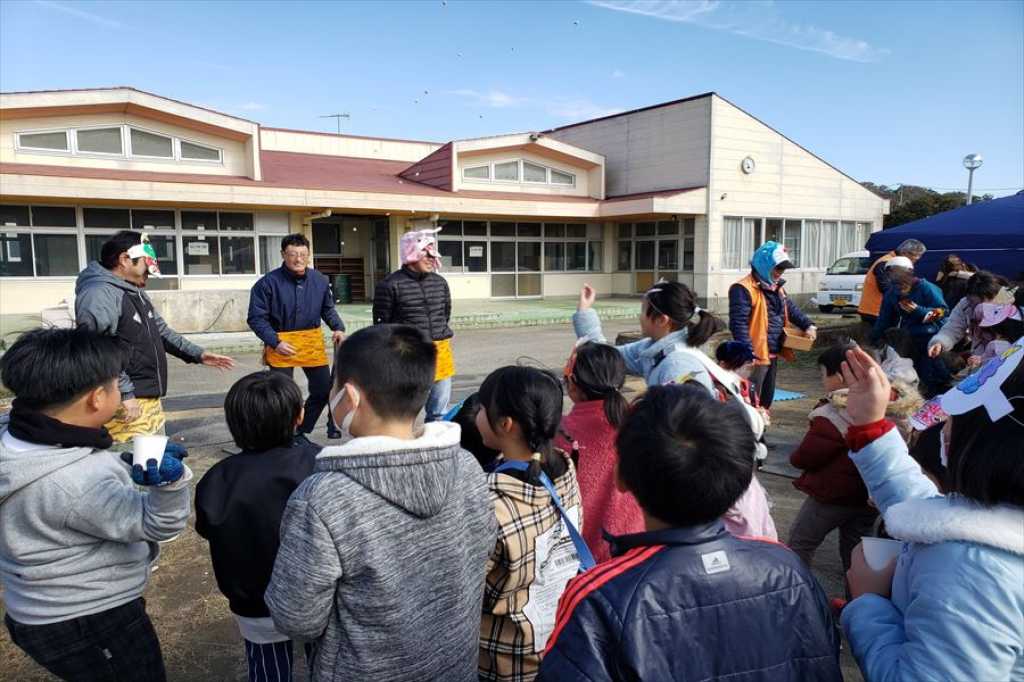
<point x="80" y="13"/>
<point x="579" y="109"/>
<point x="618" y="73"/>
<point x="252" y="106"/>
<point x="756" y="20"/>
<point x="495" y="99"/>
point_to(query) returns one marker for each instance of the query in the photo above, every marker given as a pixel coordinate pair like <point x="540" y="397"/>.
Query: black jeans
<point x="319" y="380"/>
<point x="763" y="378"/>
<point x="111" y="646"/>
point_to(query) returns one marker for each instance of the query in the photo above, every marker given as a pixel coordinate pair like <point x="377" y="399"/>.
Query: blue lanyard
<point x="586" y="558"/>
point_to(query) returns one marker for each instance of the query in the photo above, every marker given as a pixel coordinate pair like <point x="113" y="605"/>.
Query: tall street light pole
<point x="972" y="162"/>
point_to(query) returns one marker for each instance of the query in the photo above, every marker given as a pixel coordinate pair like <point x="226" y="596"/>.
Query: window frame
<point x="521" y="169"/>
<point x="809" y="261"/>
<point x="18" y="146"/>
<point x="517" y="239"/>
<point x="130" y="150"/>
<point x="73" y="134"/>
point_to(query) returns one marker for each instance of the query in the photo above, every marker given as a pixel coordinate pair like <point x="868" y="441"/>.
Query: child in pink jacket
<point x="594" y="377"/>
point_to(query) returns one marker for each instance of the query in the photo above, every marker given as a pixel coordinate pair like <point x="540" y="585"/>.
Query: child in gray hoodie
<point x="76" y="536"/>
<point x="383" y="547"/>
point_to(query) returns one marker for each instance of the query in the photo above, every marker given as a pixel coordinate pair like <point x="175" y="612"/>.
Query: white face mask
<point x="346" y="423"/>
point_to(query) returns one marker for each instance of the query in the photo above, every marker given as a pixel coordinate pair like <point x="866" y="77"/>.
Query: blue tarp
<point x="989" y="234"/>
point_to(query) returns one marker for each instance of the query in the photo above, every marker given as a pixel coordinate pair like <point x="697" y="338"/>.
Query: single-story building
<point x="683" y="190"/>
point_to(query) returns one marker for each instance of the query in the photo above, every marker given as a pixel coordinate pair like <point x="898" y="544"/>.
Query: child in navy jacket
<point x="687" y="600"/>
<point x="239" y="504"/>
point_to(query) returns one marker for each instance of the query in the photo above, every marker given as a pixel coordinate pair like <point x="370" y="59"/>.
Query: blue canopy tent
<point x="989" y="234"/>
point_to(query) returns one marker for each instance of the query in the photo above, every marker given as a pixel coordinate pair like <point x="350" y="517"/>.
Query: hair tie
<point x="537" y="457"/>
<point x="697" y="310"/>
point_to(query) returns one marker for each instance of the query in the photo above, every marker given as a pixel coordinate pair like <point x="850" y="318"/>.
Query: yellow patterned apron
<point x="151" y="421"/>
<point x="445" y="360"/>
<point x="309" y="350"/>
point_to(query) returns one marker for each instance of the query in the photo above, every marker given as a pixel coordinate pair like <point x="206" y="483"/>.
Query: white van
<point x="843" y="281"/>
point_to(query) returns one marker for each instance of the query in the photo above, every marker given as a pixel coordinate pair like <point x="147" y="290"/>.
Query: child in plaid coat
<point x="534" y="556"/>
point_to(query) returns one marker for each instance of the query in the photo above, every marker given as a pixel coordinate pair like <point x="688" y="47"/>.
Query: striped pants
<point x="271" y="662"/>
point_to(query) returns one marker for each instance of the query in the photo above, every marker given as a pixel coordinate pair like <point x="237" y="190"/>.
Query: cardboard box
<point x="797" y="340"/>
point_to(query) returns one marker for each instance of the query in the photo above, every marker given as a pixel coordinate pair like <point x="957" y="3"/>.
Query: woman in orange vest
<point x="759" y="311"/>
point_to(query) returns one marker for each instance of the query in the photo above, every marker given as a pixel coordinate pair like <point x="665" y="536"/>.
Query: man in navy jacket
<point x="686" y="600"/>
<point x="296" y="297"/>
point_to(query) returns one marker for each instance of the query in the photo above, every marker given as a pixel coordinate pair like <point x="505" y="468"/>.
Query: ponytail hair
<point x="532" y="398"/>
<point x="599" y="374"/>
<point x="678" y="303"/>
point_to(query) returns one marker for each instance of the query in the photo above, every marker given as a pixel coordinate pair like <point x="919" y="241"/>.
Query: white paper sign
<point x="199" y="248"/>
<point x="476" y="252"/>
<point x="555" y="564"/>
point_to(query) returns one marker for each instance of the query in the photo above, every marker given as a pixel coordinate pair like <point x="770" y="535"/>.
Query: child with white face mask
<point x="388" y="538"/>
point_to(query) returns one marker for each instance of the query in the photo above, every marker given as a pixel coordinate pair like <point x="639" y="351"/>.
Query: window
<point x="792" y="240"/>
<point x="55" y="141"/>
<point x="562" y="178"/>
<point x="534" y="173"/>
<point x="528" y="256"/>
<point x="625" y="259"/>
<point x="554" y="230"/>
<point x="474" y="228"/>
<point x="645" y="229"/>
<point x="198" y="152"/>
<point x="503" y="229"/>
<point x="450" y="228"/>
<point x="53" y="216"/>
<point x="668" y="227"/>
<point x="507" y="171"/>
<point x="503" y="256"/>
<point x="236" y="221"/>
<point x="668" y="254"/>
<point x="451" y="254"/>
<point x="689" y="243"/>
<point x="100" y="141"/>
<point x="595" y="262"/>
<point x="476" y="256"/>
<point x="576" y="256"/>
<point x="812" y="245"/>
<point x="15" y="254"/>
<point x="199" y="220"/>
<point x="739" y="235"/>
<point x="477" y="173"/>
<point x="11" y="216"/>
<point x="238" y="256"/>
<point x="116" y="218"/>
<point x="56" y="255"/>
<point x="528" y="229"/>
<point x="146" y="221"/>
<point x="554" y="256"/>
<point x="576" y="231"/>
<point x="201" y="255"/>
<point x="270" y="253"/>
<point x="625" y="230"/>
<point x="150" y="144"/>
<point x="645" y="255"/>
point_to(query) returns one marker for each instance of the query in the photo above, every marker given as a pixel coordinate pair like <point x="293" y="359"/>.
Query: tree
<point x="910" y="202"/>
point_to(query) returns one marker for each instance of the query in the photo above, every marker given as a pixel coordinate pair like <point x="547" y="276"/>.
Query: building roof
<point x="633" y="111"/>
<point x="347" y="135"/>
<point x="298" y="171"/>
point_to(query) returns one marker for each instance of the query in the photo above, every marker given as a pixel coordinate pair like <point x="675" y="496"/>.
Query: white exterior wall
<point x="582" y="188"/>
<point x="662" y="148"/>
<point x="235" y="156"/>
<point x="788" y="182"/>
<point x="342" y="145"/>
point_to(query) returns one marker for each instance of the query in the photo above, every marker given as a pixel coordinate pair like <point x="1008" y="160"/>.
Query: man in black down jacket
<point x="416" y="295"/>
<point x="295" y="298"/>
<point x="110" y="298"/>
<point x="686" y="600"/>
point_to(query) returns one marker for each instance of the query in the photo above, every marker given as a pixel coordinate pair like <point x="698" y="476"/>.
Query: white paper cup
<point x="879" y="551"/>
<point x="145" y="448"/>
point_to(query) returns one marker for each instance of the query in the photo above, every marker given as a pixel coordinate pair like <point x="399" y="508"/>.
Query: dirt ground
<point x="201" y="642"/>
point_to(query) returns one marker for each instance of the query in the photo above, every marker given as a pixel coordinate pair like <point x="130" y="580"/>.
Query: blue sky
<point x="888" y="92"/>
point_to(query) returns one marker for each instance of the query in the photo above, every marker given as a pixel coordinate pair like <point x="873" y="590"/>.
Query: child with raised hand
<point x="594" y="378"/>
<point x="77" y="537"/>
<point x="674" y="327"/>
<point x="951" y="606"/>
<point x="383" y="546"/>
<point x="685" y="599"/>
<point x="537" y="504"/>
<point x="239" y="504"/>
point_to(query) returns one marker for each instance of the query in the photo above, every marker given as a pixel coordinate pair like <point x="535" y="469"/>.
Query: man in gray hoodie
<point x="110" y="298"/>
<point x="383" y="547"/>
<point x="76" y="536"/>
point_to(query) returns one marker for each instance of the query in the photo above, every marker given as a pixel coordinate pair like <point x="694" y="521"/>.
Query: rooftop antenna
<point x="337" y="117"/>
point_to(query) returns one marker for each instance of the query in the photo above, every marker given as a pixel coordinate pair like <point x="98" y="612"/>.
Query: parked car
<point x="843" y="281"/>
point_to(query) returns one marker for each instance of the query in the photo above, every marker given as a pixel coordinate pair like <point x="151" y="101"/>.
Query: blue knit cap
<point x="768" y="256"/>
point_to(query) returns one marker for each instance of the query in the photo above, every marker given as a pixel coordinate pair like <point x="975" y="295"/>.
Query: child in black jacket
<point x="239" y="503"/>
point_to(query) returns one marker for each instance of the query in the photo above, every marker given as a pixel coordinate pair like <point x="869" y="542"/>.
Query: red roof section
<point x="435" y="169"/>
<point x="298" y="171"/>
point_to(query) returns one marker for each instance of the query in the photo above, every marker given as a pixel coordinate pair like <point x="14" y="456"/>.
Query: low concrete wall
<point x="209" y="310"/>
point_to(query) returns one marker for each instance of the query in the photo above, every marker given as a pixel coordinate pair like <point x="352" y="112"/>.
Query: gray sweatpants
<point x="816" y="520"/>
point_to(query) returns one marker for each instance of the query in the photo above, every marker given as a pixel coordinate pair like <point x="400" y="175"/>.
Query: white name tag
<point x="715" y="562"/>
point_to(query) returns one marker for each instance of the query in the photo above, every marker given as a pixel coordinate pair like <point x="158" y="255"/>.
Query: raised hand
<point x="587" y="297"/>
<point x="869" y="388"/>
